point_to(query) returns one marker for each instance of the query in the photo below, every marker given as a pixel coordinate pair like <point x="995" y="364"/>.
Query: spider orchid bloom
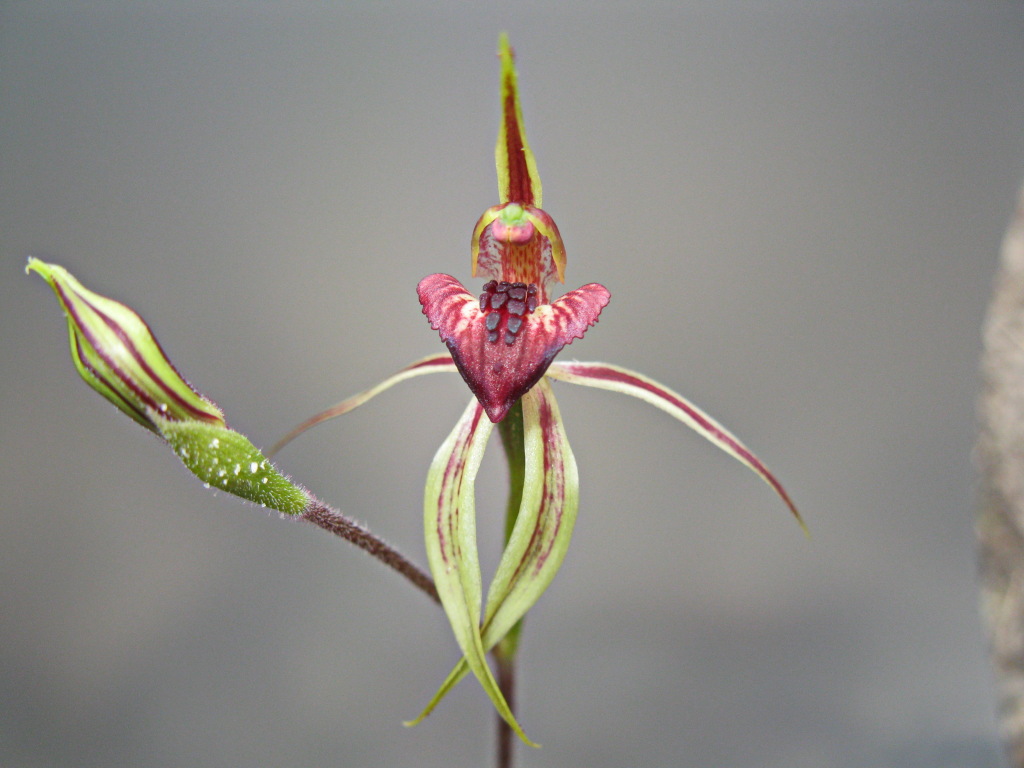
<point x="503" y="342"/>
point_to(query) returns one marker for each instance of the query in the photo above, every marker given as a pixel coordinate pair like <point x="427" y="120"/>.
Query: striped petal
<point x="616" y="379"/>
<point x="546" y="517"/>
<point x="449" y="518"/>
<point x="542" y="530"/>
<point x="503" y="350"/>
<point x="431" y="364"/>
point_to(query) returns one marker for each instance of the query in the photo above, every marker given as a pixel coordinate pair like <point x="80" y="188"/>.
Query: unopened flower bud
<point x="118" y="356"/>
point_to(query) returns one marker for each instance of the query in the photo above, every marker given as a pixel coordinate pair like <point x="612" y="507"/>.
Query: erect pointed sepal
<point x="449" y="518"/>
<point x="518" y="181"/>
<point x="118" y="356"/>
<point x="516" y="241"/>
<point x="503" y="342"/>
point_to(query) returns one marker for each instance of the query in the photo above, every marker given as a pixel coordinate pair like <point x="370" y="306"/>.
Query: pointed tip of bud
<point x="116" y="354"/>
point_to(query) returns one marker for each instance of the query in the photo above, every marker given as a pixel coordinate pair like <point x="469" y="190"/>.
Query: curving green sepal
<point x="540" y="536"/>
<point x="450" y="531"/>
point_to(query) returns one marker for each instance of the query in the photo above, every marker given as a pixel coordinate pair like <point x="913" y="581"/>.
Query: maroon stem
<point x="506" y="682"/>
<point x="334" y="522"/>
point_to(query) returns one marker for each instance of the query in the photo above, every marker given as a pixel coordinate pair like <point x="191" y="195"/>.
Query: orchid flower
<point x="503" y="341"/>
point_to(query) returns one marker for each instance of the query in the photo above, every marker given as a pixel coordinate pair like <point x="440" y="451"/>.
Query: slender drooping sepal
<point x="547" y="515"/>
<point x="449" y="518"/>
<point x="518" y="181"/>
<point x="543" y="527"/>
<point x="617" y="379"/>
<point x="115" y="352"/>
<point x="432" y="364"/>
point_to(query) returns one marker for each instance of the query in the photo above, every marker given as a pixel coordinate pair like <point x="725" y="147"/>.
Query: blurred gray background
<point x="797" y="207"/>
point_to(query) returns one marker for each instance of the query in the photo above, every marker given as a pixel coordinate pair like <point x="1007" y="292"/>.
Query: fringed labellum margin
<point x="500" y="365"/>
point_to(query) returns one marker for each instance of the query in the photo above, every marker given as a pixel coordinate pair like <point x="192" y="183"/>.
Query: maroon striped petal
<point x="449" y="521"/>
<point x="539" y="540"/>
<point x="504" y="348"/>
<point x="617" y="379"/>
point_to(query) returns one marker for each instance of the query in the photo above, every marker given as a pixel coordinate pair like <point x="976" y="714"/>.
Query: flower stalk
<point x="505" y="652"/>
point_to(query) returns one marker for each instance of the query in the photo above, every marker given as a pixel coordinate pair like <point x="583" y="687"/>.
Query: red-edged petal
<point x="501" y="361"/>
<point x="449" y="518"/>
<point x="543" y="528"/>
<point x="617" y="379"/>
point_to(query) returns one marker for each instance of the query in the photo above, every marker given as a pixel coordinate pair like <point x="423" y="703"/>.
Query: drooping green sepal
<point x="618" y="379"/>
<point x="449" y="521"/>
<point x="227" y="460"/>
<point x="430" y="364"/>
<point x="543" y="527"/>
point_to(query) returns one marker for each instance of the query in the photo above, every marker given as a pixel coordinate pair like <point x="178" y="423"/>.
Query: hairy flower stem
<point x="507" y="683"/>
<point x="334" y="522"/>
<point x="512" y="440"/>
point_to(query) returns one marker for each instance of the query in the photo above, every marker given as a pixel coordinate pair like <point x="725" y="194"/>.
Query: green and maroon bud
<point x="117" y="355"/>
